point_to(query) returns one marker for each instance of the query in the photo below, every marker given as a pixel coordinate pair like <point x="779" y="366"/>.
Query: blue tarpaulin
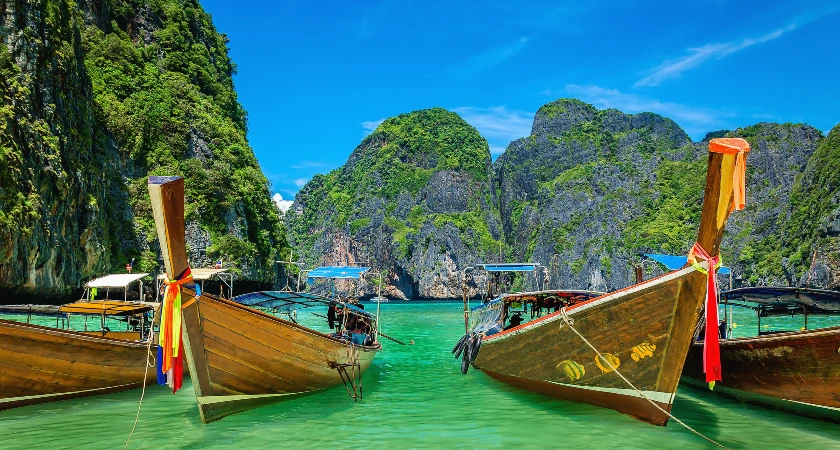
<point x="338" y="272"/>
<point x="677" y="262"/>
<point x="509" y="267"/>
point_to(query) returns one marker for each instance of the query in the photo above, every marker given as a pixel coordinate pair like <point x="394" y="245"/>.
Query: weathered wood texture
<point x="647" y="334"/>
<point x="167" y="197"/>
<point x="787" y="371"/>
<point x="241" y="358"/>
<point x="40" y="364"/>
<point x="646" y="330"/>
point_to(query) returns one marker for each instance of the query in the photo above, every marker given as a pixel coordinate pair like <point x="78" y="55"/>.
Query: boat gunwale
<point x="591" y="303"/>
<point x="76" y="334"/>
<point x="299" y="327"/>
<point x="798" y="334"/>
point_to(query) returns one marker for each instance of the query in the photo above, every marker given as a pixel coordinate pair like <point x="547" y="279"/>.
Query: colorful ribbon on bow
<point x="170" y="356"/>
<point x="711" y="343"/>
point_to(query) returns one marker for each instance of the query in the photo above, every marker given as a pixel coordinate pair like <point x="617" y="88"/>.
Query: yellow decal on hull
<point x="573" y="370"/>
<point x="607" y="358"/>
<point x="642" y="351"/>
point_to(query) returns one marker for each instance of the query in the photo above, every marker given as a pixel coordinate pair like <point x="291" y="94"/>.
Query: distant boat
<point x="642" y="332"/>
<point x="241" y="357"/>
<point x="379" y="299"/>
<point x="797" y="371"/>
<point x="40" y="364"/>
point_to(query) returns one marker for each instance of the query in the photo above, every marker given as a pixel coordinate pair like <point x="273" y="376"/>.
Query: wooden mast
<point x="717" y="200"/>
<point x="167" y="195"/>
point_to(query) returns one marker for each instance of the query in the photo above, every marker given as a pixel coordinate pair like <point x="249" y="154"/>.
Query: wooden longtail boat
<point x="643" y="332"/>
<point x="239" y="357"/>
<point x="796" y="371"/>
<point x="40" y="364"/>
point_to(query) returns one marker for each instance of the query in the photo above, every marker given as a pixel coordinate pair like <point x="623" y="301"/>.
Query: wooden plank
<point x="800" y="366"/>
<point x="167" y="196"/>
<point x="39" y="361"/>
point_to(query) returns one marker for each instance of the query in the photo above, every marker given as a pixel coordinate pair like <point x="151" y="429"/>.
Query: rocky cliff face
<point x="802" y="247"/>
<point x="413" y="201"/>
<point x="98" y="94"/>
<point x="589" y="190"/>
<point x="585" y="195"/>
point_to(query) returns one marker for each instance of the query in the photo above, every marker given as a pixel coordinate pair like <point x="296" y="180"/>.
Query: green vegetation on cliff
<point x="141" y="88"/>
<point x="171" y="106"/>
<point x="806" y="224"/>
<point x="413" y="195"/>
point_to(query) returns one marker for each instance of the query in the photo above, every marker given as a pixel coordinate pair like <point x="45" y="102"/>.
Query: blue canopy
<point x="678" y="262"/>
<point x="509" y="267"/>
<point x="338" y="272"/>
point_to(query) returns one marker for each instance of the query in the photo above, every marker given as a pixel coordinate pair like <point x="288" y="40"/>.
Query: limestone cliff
<point x="98" y="94"/>
<point x="413" y="201"/>
<point x="590" y="191"/>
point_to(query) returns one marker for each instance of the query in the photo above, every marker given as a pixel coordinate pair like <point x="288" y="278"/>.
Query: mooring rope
<point x="145" y="376"/>
<point x="570" y="321"/>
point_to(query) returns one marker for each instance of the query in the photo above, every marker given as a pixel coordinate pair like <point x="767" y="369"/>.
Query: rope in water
<point x="570" y="321"/>
<point x="145" y="375"/>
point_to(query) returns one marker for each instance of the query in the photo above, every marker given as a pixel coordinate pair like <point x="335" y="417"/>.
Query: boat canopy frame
<point x="284" y="300"/>
<point x="114" y="280"/>
<point x="201" y="275"/>
<point x="783" y="301"/>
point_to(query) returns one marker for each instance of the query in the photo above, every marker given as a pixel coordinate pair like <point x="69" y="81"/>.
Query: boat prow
<point x="241" y="358"/>
<point x="624" y="350"/>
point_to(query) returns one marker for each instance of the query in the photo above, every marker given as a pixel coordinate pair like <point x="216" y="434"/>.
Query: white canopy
<point x="115" y="280"/>
<point x="200" y="274"/>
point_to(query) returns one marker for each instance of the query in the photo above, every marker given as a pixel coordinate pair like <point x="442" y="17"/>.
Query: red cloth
<point x="711" y="341"/>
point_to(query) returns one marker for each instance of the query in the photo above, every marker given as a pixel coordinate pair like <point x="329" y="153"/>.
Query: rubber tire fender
<point x="475" y="347"/>
<point x="460" y="346"/>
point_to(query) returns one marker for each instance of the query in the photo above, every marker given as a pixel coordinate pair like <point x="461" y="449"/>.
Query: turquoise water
<point x="415" y="397"/>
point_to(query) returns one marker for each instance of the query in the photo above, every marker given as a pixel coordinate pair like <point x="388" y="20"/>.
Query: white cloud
<point x="284" y="205"/>
<point x="693" y="120"/>
<point x="301" y="182"/>
<point x="674" y="68"/>
<point x="497" y="123"/>
<point x="307" y="165"/>
<point x="371" y="125"/>
<point x="489" y="58"/>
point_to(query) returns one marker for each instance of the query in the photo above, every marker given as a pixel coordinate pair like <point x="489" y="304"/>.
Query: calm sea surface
<point x="415" y="397"/>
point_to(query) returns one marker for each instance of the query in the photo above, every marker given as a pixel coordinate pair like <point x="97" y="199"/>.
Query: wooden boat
<point x="40" y="364"/>
<point x="239" y="357"/>
<point x="793" y="371"/>
<point x="642" y="332"/>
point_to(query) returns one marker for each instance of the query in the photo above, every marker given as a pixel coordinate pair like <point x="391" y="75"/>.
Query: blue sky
<point x="316" y="77"/>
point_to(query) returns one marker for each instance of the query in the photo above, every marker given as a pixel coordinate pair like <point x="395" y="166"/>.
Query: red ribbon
<point x="711" y="341"/>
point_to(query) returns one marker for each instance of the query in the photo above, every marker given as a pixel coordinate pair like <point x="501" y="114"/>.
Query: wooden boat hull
<point x="797" y="372"/>
<point x="645" y="331"/>
<point x="40" y="364"/>
<point x="241" y="358"/>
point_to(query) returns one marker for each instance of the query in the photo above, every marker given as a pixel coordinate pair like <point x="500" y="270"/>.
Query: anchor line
<point x="570" y="322"/>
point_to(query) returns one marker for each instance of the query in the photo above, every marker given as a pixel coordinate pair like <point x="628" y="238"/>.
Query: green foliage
<point x="812" y="200"/>
<point x="562" y="235"/>
<point x="176" y="93"/>
<point x="668" y="221"/>
<point x="358" y="224"/>
<point x="395" y="162"/>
